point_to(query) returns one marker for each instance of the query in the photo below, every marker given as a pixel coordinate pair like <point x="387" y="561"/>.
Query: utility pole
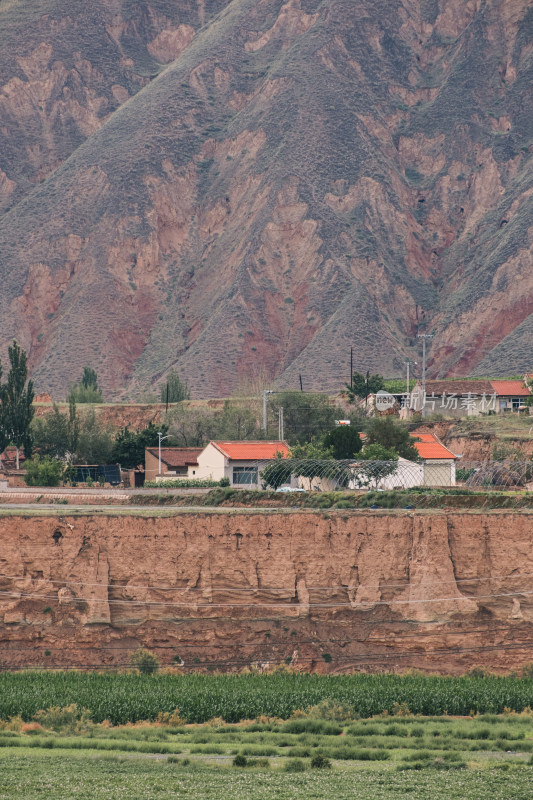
<point x="424" y="336"/>
<point x="161" y="438"/>
<point x="408" y="365"/>
<point x="265" y="392"/>
<point x="351" y="368"/>
<point x="280" y="423"/>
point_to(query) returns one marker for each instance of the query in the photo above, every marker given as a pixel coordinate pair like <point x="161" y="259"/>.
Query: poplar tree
<point x="4" y="436"/>
<point x="17" y="399"/>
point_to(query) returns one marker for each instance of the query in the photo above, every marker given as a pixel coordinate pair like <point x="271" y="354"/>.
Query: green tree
<point x="17" y="402"/>
<point x="178" y="390"/>
<point x="73" y="426"/>
<point x="311" y="461"/>
<point x="89" y="379"/>
<point x="94" y="442"/>
<point x="362" y="385"/>
<point x="306" y="415"/>
<point x="44" y="471"/>
<point x="129" y="446"/>
<point x="50" y="434"/>
<point x="192" y="427"/>
<point x="375" y="463"/>
<point x="393" y="436"/>
<point x="86" y="391"/>
<point x="344" y="441"/>
<point x="57" y="434"/>
<point x="145" y="661"/>
<point x="277" y="472"/>
<point x="237" y="422"/>
<point x="4" y="435"/>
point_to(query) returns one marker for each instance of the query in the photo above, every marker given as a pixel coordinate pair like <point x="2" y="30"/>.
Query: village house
<point x="435" y="468"/>
<point x="466" y="397"/>
<point x="240" y="462"/>
<point x="9" y="474"/>
<point x="176" y="462"/>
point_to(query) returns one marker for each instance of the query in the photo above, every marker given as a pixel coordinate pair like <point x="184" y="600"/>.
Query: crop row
<point x="124" y="698"/>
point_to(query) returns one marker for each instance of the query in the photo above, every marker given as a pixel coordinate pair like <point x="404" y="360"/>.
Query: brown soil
<point x="376" y="590"/>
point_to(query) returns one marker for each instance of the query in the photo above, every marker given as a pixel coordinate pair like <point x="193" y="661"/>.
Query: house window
<point x="244" y="476"/>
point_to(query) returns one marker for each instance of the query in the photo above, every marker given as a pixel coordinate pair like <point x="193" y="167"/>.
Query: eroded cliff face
<point x="233" y="186"/>
<point x="375" y="590"/>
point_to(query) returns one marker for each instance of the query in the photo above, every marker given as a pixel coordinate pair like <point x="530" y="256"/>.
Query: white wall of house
<point x="439" y="472"/>
<point x="406" y="475"/>
<point x="212" y="465"/>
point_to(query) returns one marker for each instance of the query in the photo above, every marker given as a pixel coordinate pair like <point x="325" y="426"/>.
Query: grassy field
<point x="297" y="736"/>
<point x="503" y="426"/>
<point x="64" y="756"/>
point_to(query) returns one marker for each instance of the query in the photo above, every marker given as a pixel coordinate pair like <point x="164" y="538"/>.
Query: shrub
<point x="240" y="761"/>
<point x="70" y="718"/>
<point x="44" y="471"/>
<point x="171" y="718"/>
<point x="185" y="483"/>
<point x="294" y="765"/>
<point x="143" y="660"/>
<point x="320" y="762"/>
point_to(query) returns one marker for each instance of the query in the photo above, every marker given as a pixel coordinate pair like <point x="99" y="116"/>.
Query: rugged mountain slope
<point x="305" y="175"/>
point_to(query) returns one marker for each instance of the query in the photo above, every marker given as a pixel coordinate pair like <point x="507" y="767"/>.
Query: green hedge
<point x="186" y="483"/>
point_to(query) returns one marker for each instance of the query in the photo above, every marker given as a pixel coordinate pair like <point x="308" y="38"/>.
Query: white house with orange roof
<point x="435" y="468"/>
<point x="438" y="463"/>
<point x="240" y="462"/>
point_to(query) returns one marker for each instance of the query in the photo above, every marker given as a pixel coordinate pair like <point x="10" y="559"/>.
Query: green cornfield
<point x="122" y="698"/>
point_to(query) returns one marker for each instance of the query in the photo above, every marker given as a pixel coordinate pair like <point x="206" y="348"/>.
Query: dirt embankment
<point x="328" y="592"/>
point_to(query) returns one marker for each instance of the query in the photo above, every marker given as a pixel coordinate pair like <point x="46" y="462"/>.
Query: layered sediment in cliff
<point x="334" y="592"/>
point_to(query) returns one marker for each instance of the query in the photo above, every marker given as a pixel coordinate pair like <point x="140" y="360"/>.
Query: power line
<point x="352" y="605"/>
<point x="360" y="660"/>
<point x="398" y="637"/>
<point x="342" y="586"/>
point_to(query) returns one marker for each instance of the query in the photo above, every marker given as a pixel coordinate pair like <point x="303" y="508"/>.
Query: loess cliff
<point x="233" y="187"/>
<point x="327" y="592"/>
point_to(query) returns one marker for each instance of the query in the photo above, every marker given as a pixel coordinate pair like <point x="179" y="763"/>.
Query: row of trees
<point x="386" y="441"/>
<point x="16" y="399"/>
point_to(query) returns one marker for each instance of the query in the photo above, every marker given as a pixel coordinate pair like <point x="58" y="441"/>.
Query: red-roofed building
<point x="436" y="467"/>
<point x="510" y="395"/>
<point x="469" y="397"/>
<point x="438" y="461"/>
<point x="240" y="462"/>
<point x="8" y="467"/>
<point x="176" y="462"/>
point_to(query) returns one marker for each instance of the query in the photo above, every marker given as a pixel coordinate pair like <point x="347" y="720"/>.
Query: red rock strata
<point x="375" y="590"/>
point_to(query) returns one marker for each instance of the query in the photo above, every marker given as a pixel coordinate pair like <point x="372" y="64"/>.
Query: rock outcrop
<point x="374" y="590"/>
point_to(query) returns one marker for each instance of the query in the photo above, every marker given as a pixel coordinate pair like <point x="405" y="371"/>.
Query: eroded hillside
<point x="293" y="178"/>
<point x="375" y="590"/>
